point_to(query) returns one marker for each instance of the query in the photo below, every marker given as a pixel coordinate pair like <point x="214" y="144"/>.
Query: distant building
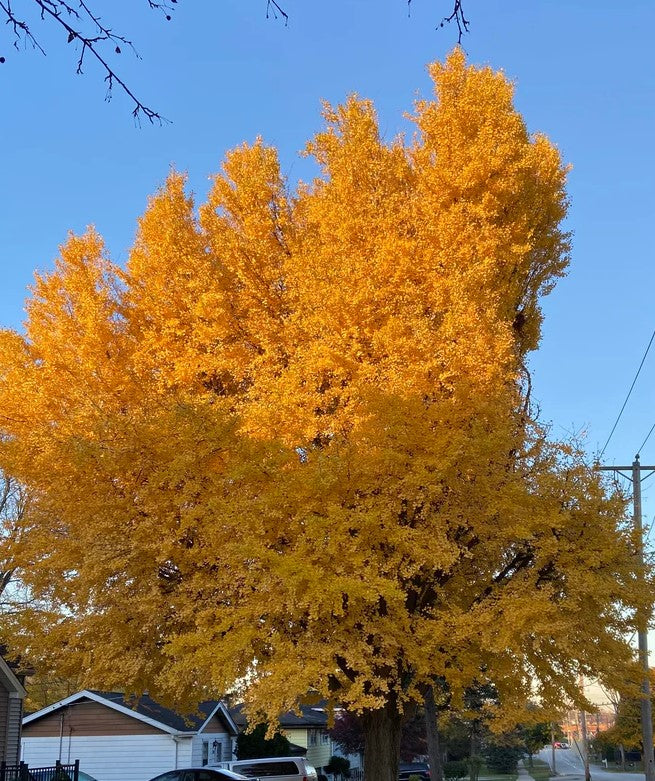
<point x="602" y="719"/>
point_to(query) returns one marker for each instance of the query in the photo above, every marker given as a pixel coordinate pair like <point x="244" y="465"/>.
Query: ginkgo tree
<point x="287" y="450"/>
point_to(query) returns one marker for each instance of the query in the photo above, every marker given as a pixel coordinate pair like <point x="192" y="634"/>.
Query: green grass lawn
<point x="490" y="775"/>
<point x="540" y="770"/>
<point x="495" y="777"/>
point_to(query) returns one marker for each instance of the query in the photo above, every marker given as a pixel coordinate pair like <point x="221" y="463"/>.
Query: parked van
<point x="275" y="769"/>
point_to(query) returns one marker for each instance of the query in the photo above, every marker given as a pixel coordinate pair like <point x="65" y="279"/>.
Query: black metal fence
<point x="23" y="772"/>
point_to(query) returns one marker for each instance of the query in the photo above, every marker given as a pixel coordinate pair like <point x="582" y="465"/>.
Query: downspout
<point x="61" y="733"/>
<point x="176" y="740"/>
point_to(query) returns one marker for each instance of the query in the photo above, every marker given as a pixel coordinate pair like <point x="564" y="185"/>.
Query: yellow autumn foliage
<point x="287" y="448"/>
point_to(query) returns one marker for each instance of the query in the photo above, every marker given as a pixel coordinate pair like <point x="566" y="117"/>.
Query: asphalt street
<point x="568" y="762"/>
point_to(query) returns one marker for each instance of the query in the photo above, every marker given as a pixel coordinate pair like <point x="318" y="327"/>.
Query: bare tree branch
<point x="456" y="15"/>
<point x="274" y="9"/>
<point x="94" y="37"/>
<point x="20" y="28"/>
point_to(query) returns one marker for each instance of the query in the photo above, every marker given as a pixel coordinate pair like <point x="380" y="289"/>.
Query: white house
<point x="119" y="739"/>
<point x="12" y="694"/>
<point x="306" y="730"/>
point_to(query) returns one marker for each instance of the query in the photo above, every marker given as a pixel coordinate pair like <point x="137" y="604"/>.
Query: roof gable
<point x="146" y="710"/>
<point x="9" y="681"/>
<point x="223" y="713"/>
<point x="89" y="718"/>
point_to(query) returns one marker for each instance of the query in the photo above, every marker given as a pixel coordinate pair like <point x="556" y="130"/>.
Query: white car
<point x="275" y="769"/>
<point x="200" y="774"/>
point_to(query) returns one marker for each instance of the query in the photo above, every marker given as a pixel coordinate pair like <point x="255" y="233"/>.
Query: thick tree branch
<point x="13" y="502"/>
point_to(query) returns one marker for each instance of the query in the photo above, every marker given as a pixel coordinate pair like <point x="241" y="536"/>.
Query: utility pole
<point x="634" y="475"/>
<point x="583" y="735"/>
<point x="552" y="747"/>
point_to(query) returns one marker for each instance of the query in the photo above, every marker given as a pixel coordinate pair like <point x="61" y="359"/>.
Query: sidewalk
<point x="523" y="772"/>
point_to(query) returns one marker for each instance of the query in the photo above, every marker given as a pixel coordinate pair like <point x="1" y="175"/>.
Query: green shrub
<point x="453" y="771"/>
<point x="503" y="759"/>
<point x="255" y="745"/>
<point x="338" y="766"/>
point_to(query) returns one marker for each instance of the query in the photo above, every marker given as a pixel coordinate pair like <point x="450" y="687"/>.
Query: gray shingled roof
<point x="310" y="716"/>
<point x="146" y="706"/>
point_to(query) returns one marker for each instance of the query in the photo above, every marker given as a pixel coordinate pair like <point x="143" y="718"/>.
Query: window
<point x="251" y="771"/>
<point x="325" y="737"/>
<point x="287" y="768"/>
<point x="266" y="769"/>
<point x="205" y="752"/>
<point x="217" y="752"/>
<point x="313" y="737"/>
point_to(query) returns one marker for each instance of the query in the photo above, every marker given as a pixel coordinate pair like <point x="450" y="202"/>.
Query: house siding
<point x="15" y="715"/>
<point x="213" y="732"/>
<point x="319" y="754"/>
<point x="87" y="718"/>
<point x="215" y="725"/>
<point x="297" y="736"/>
<point x="224" y="741"/>
<point x="4" y="721"/>
<point x="11" y="707"/>
<point x="111" y="758"/>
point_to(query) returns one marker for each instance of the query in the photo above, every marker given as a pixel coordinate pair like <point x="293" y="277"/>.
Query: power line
<point x="618" y="418"/>
<point x="650" y="528"/>
<point x="652" y="428"/>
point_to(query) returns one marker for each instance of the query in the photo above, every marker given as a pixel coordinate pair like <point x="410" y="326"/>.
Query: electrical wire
<point x="652" y="428"/>
<point x="618" y="418"/>
<point x="650" y="529"/>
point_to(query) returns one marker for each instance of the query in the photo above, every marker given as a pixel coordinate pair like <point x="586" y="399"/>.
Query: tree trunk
<point x="432" y="732"/>
<point x="382" y="730"/>
<point x="622" y="750"/>
<point x="474" y="760"/>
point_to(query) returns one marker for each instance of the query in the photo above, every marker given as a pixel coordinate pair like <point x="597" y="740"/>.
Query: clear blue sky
<point x="223" y="73"/>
